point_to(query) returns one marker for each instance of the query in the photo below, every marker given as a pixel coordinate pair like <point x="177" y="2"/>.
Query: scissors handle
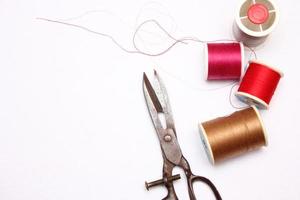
<point x="171" y="193"/>
<point x="191" y="178"/>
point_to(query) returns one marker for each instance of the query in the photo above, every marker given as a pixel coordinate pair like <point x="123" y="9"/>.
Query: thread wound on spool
<point x="258" y="84"/>
<point x="224" y="61"/>
<point x="254" y="21"/>
<point x="233" y="135"/>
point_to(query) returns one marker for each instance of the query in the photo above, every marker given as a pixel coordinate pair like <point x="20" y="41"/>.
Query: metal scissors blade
<point x="158" y="103"/>
<point x="152" y="94"/>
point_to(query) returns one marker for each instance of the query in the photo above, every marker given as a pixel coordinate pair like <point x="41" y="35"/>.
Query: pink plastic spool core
<point x="258" y="13"/>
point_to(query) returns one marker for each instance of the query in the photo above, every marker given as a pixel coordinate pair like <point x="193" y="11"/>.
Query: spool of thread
<point x="223" y="61"/>
<point x="258" y="84"/>
<point x="254" y="21"/>
<point x="233" y="135"/>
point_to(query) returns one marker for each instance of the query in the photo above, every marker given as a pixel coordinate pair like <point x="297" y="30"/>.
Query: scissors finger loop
<point x="213" y="188"/>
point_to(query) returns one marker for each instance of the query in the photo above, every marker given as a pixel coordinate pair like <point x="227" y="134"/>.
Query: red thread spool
<point x="259" y="84"/>
<point x="224" y="61"/>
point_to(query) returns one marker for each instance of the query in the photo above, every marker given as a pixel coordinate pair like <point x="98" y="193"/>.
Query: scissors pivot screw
<point x="168" y="138"/>
<point x="161" y="181"/>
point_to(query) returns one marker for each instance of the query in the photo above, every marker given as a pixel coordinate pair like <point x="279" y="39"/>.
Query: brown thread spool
<point x="233" y="135"/>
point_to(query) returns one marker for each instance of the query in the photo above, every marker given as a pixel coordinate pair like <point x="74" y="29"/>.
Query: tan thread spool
<point x="233" y="135"/>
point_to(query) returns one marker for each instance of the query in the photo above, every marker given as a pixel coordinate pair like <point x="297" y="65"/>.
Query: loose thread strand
<point x="183" y="40"/>
<point x="137" y="50"/>
<point x="231" y="95"/>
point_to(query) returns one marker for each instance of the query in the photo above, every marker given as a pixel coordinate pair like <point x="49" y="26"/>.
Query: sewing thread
<point x="258" y="84"/>
<point x="233" y="135"/>
<point x="224" y="61"/>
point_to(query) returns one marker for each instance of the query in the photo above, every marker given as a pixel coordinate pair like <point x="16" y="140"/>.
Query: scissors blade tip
<point x="152" y="93"/>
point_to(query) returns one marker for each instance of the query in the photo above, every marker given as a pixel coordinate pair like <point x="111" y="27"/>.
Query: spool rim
<point x="268" y="66"/>
<point x="253" y="99"/>
<point x="206" y="146"/>
<point x="254" y="33"/>
<point x="243" y="58"/>
<point x="262" y="125"/>
<point x="206" y="61"/>
<point x="252" y="42"/>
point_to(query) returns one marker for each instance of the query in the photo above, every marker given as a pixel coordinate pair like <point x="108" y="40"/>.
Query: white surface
<point x="73" y="121"/>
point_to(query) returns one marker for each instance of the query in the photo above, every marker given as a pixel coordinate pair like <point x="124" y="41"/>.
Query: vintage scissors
<point x="158" y="103"/>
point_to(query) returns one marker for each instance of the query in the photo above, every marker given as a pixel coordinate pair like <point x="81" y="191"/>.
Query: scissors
<point x="158" y="104"/>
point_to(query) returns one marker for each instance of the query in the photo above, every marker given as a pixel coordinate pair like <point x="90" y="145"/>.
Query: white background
<point x="73" y="120"/>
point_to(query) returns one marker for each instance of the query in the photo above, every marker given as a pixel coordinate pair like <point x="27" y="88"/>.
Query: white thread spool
<point x="254" y="21"/>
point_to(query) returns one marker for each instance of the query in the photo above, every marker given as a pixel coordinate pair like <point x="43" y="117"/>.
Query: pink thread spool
<point x="224" y="61"/>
